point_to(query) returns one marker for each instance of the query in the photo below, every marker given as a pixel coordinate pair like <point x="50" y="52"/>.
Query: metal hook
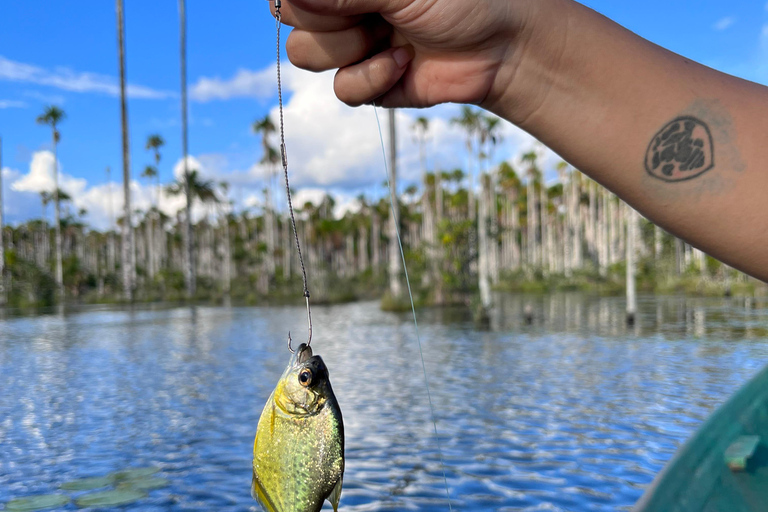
<point x="309" y="319"/>
<point x="289" y="343"/>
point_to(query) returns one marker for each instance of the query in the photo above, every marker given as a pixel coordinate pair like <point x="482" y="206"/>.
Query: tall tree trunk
<point x="2" y="241"/>
<point x="375" y="240"/>
<point x="189" y="262"/>
<point x="287" y="248"/>
<point x="531" y="221"/>
<point x="631" y="264"/>
<point x="57" y="220"/>
<point x="227" y="256"/>
<point x="362" y="247"/>
<point x="128" y="247"/>
<point x="493" y="235"/>
<point x="544" y="249"/>
<point x="575" y="221"/>
<point x="482" y="239"/>
<point x="269" y="230"/>
<point x="395" y="265"/>
<point x="437" y="264"/>
<point x="592" y="222"/>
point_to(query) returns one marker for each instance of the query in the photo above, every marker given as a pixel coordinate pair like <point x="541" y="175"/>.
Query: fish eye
<point x="305" y="377"/>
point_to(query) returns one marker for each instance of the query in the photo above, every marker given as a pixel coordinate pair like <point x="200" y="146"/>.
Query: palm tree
<point x="265" y="128"/>
<point x="510" y="184"/>
<point x="189" y="262"/>
<point x="154" y="143"/>
<point x="531" y="211"/>
<point x="490" y="126"/>
<point x="469" y="121"/>
<point x="150" y="173"/>
<point x="224" y="213"/>
<point x="52" y="116"/>
<point x="193" y="188"/>
<point x="129" y="249"/>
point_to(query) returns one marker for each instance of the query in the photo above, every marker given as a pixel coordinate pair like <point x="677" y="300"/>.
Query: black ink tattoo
<point x="681" y="150"/>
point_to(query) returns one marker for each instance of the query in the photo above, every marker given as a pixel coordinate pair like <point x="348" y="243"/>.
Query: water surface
<point x="572" y="411"/>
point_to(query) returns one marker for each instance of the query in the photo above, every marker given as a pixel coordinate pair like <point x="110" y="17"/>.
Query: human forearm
<point x="598" y="95"/>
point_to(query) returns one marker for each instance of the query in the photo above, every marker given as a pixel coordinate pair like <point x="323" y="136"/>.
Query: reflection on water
<point x="570" y="411"/>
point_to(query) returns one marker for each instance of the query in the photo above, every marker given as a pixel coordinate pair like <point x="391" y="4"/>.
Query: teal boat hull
<point x="724" y="466"/>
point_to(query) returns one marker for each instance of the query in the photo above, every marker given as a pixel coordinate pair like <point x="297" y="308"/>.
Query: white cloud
<point x="53" y="99"/>
<point x="244" y="84"/>
<point x="69" y="80"/>
<point x="9" y="174"/>
<point x="12" y="104"/>
<point x="40" y="177"/>
<point x="335" y="147"/>
<point x="724" y="23"/>
<point x="103" y="202"/>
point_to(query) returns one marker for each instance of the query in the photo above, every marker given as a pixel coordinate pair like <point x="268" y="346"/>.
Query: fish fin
<point x="335" y="495"/>
<point x="259" y="494"/>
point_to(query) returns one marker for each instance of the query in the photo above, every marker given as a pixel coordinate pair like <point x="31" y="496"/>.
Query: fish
<point x="298" y="451"/>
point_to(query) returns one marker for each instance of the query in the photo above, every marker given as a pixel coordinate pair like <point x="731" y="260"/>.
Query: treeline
<point x="464" y="234"/>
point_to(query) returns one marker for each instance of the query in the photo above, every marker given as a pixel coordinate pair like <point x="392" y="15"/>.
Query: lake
<point x="572" y="411"/>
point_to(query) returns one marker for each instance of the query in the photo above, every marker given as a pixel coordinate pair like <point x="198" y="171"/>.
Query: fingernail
<point x="403" y="55"/>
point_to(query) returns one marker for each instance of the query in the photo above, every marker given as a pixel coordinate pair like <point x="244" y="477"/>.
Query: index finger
<point x="349" y="7"/>
<point x="299" y="18"/>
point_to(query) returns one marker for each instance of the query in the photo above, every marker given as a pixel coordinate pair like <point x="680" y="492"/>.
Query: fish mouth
<point x="304" y="358"/>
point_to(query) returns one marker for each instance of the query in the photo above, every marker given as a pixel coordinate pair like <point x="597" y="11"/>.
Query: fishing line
<point x="284" y="159"/>
<point x="392" y="203"/>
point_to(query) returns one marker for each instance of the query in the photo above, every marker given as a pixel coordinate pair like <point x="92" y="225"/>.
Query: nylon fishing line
<point x="392" y="203"/>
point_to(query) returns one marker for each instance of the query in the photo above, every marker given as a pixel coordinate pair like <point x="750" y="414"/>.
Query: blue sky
<point x="64" y="53"/>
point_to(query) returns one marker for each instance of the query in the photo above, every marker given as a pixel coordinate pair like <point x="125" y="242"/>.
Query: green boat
<point x="724" y="466"/>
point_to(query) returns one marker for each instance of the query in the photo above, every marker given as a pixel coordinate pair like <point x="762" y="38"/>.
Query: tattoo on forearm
<point x="681" y="150"/>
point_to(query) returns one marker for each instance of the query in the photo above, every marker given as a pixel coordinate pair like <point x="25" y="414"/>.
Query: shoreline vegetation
<point x="465" y="232"/>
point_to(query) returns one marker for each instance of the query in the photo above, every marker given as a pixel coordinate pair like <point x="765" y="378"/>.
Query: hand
<point x="410" y="53"/>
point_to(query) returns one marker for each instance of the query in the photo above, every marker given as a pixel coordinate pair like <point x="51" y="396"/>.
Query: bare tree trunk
<point x="544" y="251"/>
<point x="482" y="243"/>
<point x="395" y="265"/>
<point x="375" y="240"/>
<point x="362" y="248"/>
<point x="437" y="264"/>
<point x="2" y="241"/>
<point x="189" y="263"/>
<point x="227" y="255"/>
<point x="631" y="255"/>
<point x="127" y="232"/>
<point x="656" y="242"/>
<point x="493" y="236"/>
<point x="531" y="215"/>
<point x="287" y="248"/>
<point x="592" y="222"/>
<point x="575" y="221"/>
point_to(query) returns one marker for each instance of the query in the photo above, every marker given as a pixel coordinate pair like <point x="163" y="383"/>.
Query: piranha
<point x="298" y="453"/>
